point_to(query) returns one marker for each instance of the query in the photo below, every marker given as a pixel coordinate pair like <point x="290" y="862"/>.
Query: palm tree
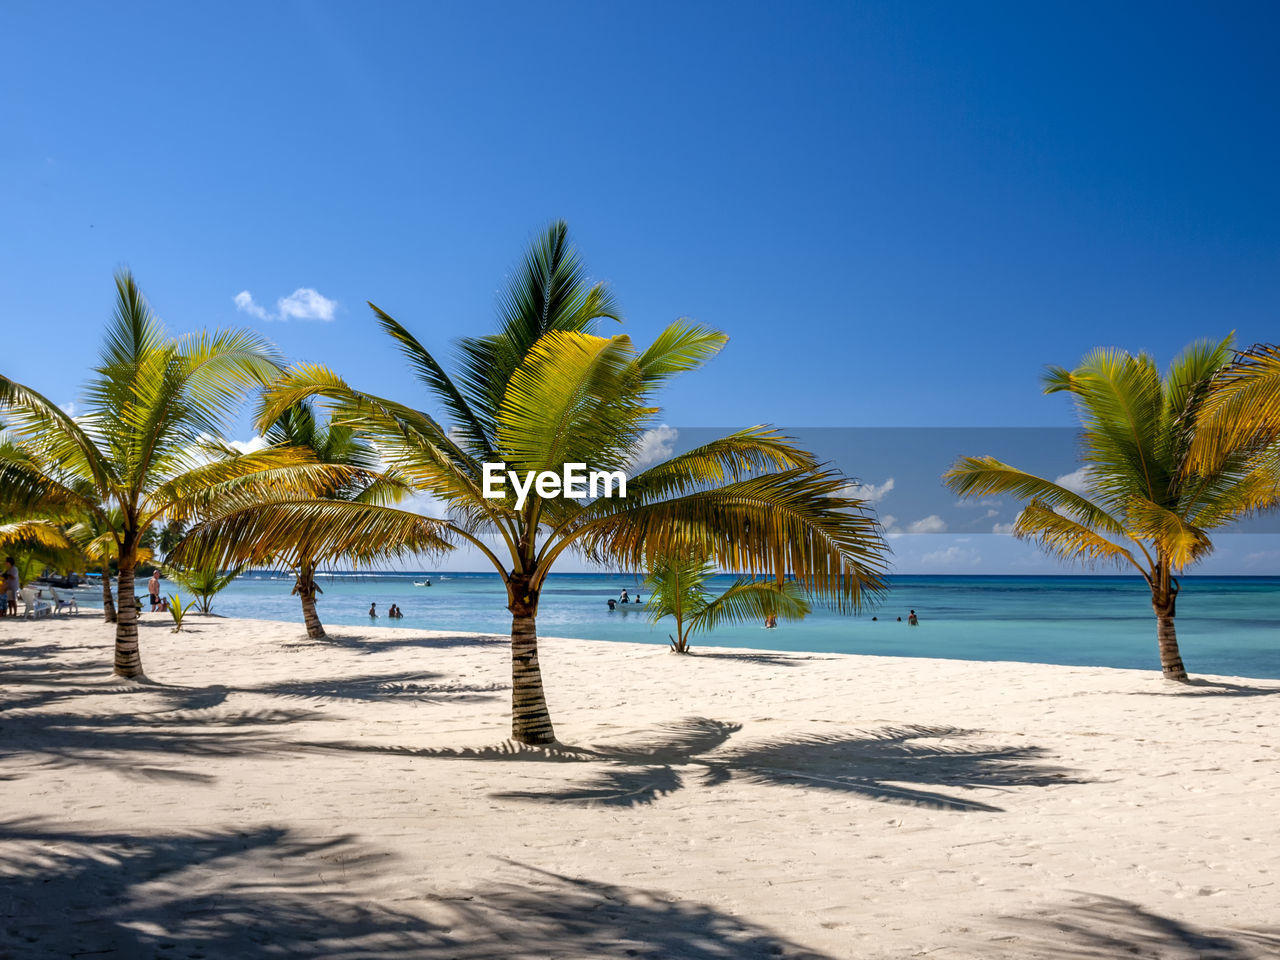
<point x="677" y="589"/>
<point x="204" y="581"/>
<point x="543" y="392"/>
<point x="141" y="447"/>
<point x="98" y="536"/>
<point x="1147" y="507"/>
<point x="336" y="444"/>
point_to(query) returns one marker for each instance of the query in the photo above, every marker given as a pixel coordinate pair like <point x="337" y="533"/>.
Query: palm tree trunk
<point x="306" y="590"/>
<point x="530" y="720"/>
<point x="128" y="658"/>
<point x="1171" y="664"/>
<point x="108" y="605"/>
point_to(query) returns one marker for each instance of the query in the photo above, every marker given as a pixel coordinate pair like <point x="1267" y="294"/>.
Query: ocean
<point x="1226" y="625"/>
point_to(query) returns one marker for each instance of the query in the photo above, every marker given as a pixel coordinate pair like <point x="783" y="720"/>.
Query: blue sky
<point x="898" y="212"/>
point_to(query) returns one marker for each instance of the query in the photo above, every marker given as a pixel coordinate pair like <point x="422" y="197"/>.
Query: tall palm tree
<point x="140" y="446"/>
<point x="678" y="589"/>
<point x="1147" y="507"/>
<point x="543" y="392"/>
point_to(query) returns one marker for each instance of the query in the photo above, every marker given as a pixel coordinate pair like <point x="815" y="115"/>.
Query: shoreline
<point x="358" y="796"/>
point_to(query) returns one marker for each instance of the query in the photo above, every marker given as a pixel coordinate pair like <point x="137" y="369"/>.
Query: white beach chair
<point x="61" y="603"/>
<point x="33" y="606"/>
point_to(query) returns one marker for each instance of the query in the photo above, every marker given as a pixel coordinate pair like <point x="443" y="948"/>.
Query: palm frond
<point x="1069" y="539"/>
<point x="319" y="530"/>
<point x="987" y="477"/>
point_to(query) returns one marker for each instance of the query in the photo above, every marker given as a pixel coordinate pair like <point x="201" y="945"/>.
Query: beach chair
<point x="33" y="607"/>
<point x="61" y="603"/>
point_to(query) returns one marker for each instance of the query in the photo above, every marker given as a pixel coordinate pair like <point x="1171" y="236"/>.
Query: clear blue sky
<point x="899" y="212"/>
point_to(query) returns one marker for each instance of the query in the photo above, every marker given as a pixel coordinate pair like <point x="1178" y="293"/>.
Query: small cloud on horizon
<point x="305" y="303"/>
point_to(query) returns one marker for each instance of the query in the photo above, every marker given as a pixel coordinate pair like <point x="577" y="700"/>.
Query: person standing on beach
<point x="11" y="585"/>
<point x="153" y="589"/>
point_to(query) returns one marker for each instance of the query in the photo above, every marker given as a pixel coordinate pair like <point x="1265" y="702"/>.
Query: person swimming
<point x="373" y="609"/>
<point x="912" y="619"/>
<point x="613" y="603"/>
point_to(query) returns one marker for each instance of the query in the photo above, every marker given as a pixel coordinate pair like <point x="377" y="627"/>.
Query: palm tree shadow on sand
<point x="267" y="893"/>
<point x="914" y="765"/>
<point x="1101" y="928"/>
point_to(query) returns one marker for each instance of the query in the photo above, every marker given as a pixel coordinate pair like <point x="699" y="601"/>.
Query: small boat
<point x="422" y="583"/>
<point x="65" y="582"/>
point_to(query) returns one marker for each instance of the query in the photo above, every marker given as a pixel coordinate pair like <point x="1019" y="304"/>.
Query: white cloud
<point x="869" y="492"/>
<point x="248" y="446"/>
<point x="69" y="409"/>
<point x="1005" y="528"/>
<point x="930" y="524"/>
<point x="1077" y="482"/>
<point x="952" y="557"/>
<point x="992" y="513"/>
<point x="305" y="303"/>
<point x="654" y="446"/>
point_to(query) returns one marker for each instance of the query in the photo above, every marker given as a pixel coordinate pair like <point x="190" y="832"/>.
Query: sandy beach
<point x="273" y="797"/>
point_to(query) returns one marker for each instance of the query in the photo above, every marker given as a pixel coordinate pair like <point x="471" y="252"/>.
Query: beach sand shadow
<point x="917" y="766"/>
<point x="1103" y="928"/>
<point x="1197" y="687"/>
<point x="268" y="893"/>
<point x="412" y="685"/>
<point x="373" y="644"/>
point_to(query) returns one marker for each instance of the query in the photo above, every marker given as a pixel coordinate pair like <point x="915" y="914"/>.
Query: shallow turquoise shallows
<point x="1227" y="625"/>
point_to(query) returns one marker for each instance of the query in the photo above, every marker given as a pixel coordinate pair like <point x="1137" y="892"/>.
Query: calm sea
<point x="1226" y="625"/>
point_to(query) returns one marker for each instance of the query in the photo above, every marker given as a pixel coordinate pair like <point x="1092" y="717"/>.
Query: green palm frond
<point x="751" y="601"/>
<point x="988" y="477"/>
<point x="792" y="521"/>
<point x="1068" y="539"/>
<point x="291" y="530"/>
<point x="1242" y="408"/>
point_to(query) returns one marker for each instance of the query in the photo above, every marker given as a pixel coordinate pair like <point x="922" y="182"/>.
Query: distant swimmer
<point x="912" y="619"/>
<point x="373" y="609"/>
<point x="612" y="603"/>
<point x="624" y="597"/>
<point x="874" y="619"/>
<point x="770" y="622"/>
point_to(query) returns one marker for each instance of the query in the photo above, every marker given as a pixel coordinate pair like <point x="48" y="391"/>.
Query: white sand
<point x="356" y="798"/>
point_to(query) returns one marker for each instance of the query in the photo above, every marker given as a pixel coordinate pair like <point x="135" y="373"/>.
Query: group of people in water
<point x="624" y="597"/>
<point x="912" y="619"/>
<point x="395" y="613"/>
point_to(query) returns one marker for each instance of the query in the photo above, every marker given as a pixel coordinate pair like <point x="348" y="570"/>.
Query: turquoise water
<point x="1226" y="625"/>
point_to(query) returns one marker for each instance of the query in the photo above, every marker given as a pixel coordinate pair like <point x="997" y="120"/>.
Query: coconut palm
<point x="204" y="581"/>
<point x="98" y="537"/>
<point x="1146" y="507"/>
<point x="330" y="443"/>
<point x="678" y="589"/>
<point x="142" y="444"/>
<point x="542" y="392"/>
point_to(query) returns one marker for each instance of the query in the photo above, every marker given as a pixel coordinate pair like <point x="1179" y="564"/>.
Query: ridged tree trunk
<point x="108" y="605"/>
<point x="305" y="587"/>
<point x="530" y="719"/>
<point x="1165" y="606"/>
<point x="128" y="661"/>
